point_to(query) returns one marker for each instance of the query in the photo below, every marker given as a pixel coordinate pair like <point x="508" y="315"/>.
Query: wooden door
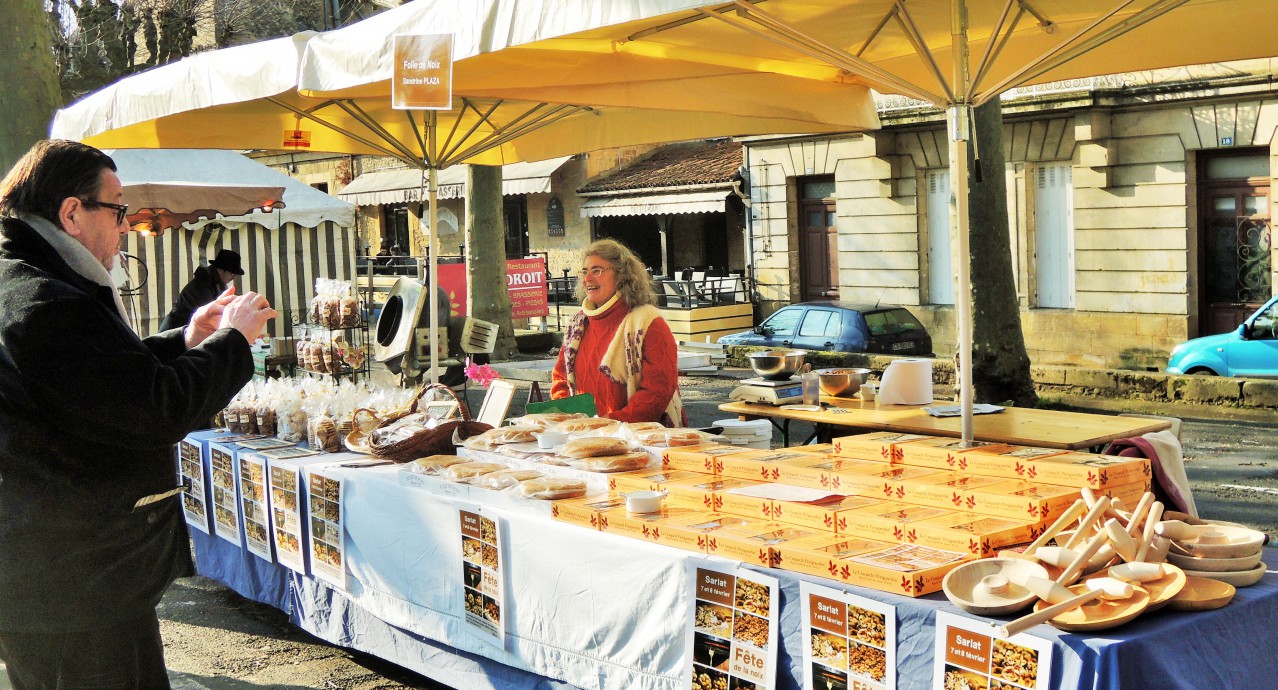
<point x="1235" y="249"/>
<point x="819" y="252"/>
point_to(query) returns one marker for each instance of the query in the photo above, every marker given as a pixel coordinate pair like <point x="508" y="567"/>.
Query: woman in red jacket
<point x="618" y="348"/>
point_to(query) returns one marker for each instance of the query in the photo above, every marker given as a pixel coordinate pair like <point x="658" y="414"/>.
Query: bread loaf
<point x="625" y="462"/>
<point x="594" y="446"/>
<point x="467" y="471"/>
<point x="504" y="479"/>
<point x="573" y="426"/>
<point x="552" y="488"/>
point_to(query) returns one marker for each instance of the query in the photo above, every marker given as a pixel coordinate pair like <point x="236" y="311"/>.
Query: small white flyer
<point x="328" y="548"/>
<point x="969" y="654"/>
<point x="191" y="475"/>
<point x="226" y="508"/>
<point x="849" y="642"/>
<point x="286" y="515"/>
<point x="733" y="631"/>
<point x="254" y="510"/>
<point x="483" y="585"/>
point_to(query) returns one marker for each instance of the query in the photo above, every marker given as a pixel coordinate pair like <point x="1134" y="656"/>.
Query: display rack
<point x="336" y="364"/>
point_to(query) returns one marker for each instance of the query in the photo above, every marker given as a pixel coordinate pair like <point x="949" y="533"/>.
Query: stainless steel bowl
<point x="842" y="382"/>
<point x="776" y="365"/>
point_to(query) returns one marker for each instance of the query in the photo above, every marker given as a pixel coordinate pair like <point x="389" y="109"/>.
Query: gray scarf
<point x="77" y="256"/>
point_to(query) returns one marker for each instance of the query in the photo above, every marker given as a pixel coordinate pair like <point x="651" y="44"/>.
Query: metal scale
<point x="769" y="392"/>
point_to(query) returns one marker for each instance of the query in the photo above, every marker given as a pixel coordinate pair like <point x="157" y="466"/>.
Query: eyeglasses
<point x="594" y="272"/>
<point x="121" y="210"/>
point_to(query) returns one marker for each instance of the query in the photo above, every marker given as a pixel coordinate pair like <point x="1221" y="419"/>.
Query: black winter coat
<point x="202" y="289"/>
<point x="89" y="418"/>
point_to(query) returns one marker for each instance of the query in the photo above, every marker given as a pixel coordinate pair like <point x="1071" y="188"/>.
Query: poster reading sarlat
<point x="191" y="476"/>
<point x="969" y="655"/>
<point x="254" y="510"/>
<point x="327" y="529"/>
<point x="483" y="587"/>
<point x="226" y="509"/>
<point x="849" y="642"/>
<point x="733" y="631"/>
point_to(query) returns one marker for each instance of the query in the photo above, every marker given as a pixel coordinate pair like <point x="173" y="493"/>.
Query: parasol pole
<point x="432" y="285"/>
<point x="959" y="120"/>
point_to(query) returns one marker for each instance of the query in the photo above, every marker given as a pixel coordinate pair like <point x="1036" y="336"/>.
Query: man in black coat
<point x="91" y="528"/>
<point x="204" y="287"/>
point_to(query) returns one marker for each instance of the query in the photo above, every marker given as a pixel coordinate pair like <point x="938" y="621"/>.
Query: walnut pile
<point x="867" y="661"/>
<point x="751" y="629"/>
<point x="955" y="680"/>
<point x="703" y="681"/>
<point x="490" y="556"/>
<point x="830" y="648"/>
<point x="752" y="597"/>
<point x="488" y="530"/>
<point x="710" y="618"/>
<point x="474" y="604"/>
<point x="1014" y="662"/>
<point x="867" y="626"/>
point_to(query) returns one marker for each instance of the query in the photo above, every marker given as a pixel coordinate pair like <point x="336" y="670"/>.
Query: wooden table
<point x="1016" y="425"/>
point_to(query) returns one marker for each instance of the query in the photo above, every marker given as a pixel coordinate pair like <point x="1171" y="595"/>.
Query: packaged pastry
<point x="501" y="436"/>
<point x="551" y="488"/>
<point x="573" y="426"/>
<point x="626" y="462"/>
<point x="594" y="446"/>
<point x="636" y="427"/>
<point x="504" y="479"/>
<point x="467" y="471"/>
<point x="671" y="438"/>
<point x="434" y="464"/>
<point x="545" y="420"/>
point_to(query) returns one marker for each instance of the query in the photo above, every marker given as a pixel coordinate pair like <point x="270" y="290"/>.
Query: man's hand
<point x="207" y="318"/>
<point x="247" y="314"/>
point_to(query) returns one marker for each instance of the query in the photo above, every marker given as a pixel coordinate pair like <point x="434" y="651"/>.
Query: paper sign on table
<point x="969" y="655"/>
<point x="732" y="636"/>
<point x="286" y="515"/>
<point x="327" y="547"/>
<point x="483" y="587"/>
<point x="254" y="510"/>
<point x="849" y="642"/>
<point x="226" y="508"/>
<point x="191" y="476"/>
<point x="265" y="443"/>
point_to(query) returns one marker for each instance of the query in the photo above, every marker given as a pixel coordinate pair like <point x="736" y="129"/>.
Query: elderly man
<point x="204" y="287"/>
<point x="91" y="529"/>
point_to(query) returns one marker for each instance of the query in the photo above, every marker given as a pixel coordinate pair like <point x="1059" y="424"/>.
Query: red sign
<point x="525" y="283"/>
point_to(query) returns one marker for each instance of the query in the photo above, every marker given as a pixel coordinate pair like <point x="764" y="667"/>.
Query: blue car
<point x="839" y="327"/>
<point x="1250" y="350"/>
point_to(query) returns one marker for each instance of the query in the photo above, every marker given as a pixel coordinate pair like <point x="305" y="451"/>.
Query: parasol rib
<point x="354" y="110"/>
<point x="354" y="137"/>
<point x="911" y="30"/>
<point x="877" y="29"/>
<point x="509" y="132"/>
<point x="449" y="146"/>
<point x="997" y="40"/>
<point x="417" y="133"/>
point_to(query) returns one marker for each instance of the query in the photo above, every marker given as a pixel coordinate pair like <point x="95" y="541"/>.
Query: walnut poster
<point x="254" y="511"/>
<point x="732" y="637"/>
<point x="849" y="641"/>
<point x="226" y="508"/>
<point x="969" y="655"/>
<point x="483" y="587"/>
<point x="327" y="529"/>
<point x="191" y="475"/>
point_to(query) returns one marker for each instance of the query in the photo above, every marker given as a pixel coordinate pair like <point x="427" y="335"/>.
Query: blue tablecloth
<point x="388" y="609"/>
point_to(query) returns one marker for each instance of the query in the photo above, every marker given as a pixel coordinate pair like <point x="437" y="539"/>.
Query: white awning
<point x="403" y="185"/>
<point x="714" y="201"/>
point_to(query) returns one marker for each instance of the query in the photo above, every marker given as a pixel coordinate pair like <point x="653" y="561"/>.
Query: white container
<point x="754" y="433"/>
<point x="549" y="439"/>
<point x="644" y="501"/>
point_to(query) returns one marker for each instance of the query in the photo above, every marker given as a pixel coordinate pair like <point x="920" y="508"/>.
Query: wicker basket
<point x="441" y="440"/>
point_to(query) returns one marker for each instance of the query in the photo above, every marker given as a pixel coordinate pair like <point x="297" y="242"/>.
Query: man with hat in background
<point x="207" y="283"/>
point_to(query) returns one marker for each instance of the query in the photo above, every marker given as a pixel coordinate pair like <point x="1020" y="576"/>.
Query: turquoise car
<point x="1251" y="350"/>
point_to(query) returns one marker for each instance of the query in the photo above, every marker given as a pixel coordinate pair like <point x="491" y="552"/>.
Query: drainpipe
<point x="749" y="224"/>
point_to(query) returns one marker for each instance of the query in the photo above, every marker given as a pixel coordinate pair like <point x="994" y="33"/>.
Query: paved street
<point x="216" y="640"/>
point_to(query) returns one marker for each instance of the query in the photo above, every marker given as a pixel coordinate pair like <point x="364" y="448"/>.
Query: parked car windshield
<point x="891" y="322"/>
<point x="783" y="322"/>
<point x="1263" y="326"/>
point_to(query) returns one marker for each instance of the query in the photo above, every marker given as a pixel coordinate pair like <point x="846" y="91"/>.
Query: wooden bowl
<point x="966" y="586"/>
<point x="1162" y="590"/>
<point x="1242" y="578"/>
<point x="1216" y="565"/>
<point x="1099" y="614"/>
<point x="1237" y="542"/>
<point x="1202" y="594"/>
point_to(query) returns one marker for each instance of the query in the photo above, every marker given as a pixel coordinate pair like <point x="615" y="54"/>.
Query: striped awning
<point x="714" y="201"/>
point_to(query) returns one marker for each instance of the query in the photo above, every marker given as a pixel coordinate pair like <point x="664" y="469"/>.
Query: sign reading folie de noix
<point x="423" y="74"/>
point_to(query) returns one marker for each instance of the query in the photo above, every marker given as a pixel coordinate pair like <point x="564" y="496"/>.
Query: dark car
<point x="839" y="327"/>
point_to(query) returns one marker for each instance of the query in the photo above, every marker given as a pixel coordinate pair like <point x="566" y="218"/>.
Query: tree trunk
<point x="31" y="93"/>
<point x="1000" y="365"/>
<point x="486" y="255"/>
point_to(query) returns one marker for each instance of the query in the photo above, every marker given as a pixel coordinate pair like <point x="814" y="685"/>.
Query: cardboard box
<point x="893" y="481"/>
<point x="710" y="494"/>
<point x="824" y="471"/>
<point x="648" y="479"/>
<point x="647" y="526"/>
<point x="942" y="453"/>
<point x="943" y="489"/>
<point x="978" y="535"/>
<point x="883" y="446"/>
<point x="1087" y="469"/>
<point x="759" y="465"/>
<point x="1129" y="493"/>
<point x="819" y="515"/>
<point x="757" y="543"/>
<point x="1009" y="463"/>
<point x="585" y="511"/>
<point x="1023" y="500"/>
<point x="698" y="458"/>
<point x="701" y="529"/>
<point x="887" y="521"/>
<point x="906" y="569"/>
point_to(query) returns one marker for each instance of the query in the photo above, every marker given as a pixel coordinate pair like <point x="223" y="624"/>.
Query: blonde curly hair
<point x="634" y="285"/>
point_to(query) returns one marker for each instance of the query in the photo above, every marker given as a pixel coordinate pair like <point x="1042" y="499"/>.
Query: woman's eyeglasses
<point x="593" y="272"/>
<point x="121" y="210"/>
